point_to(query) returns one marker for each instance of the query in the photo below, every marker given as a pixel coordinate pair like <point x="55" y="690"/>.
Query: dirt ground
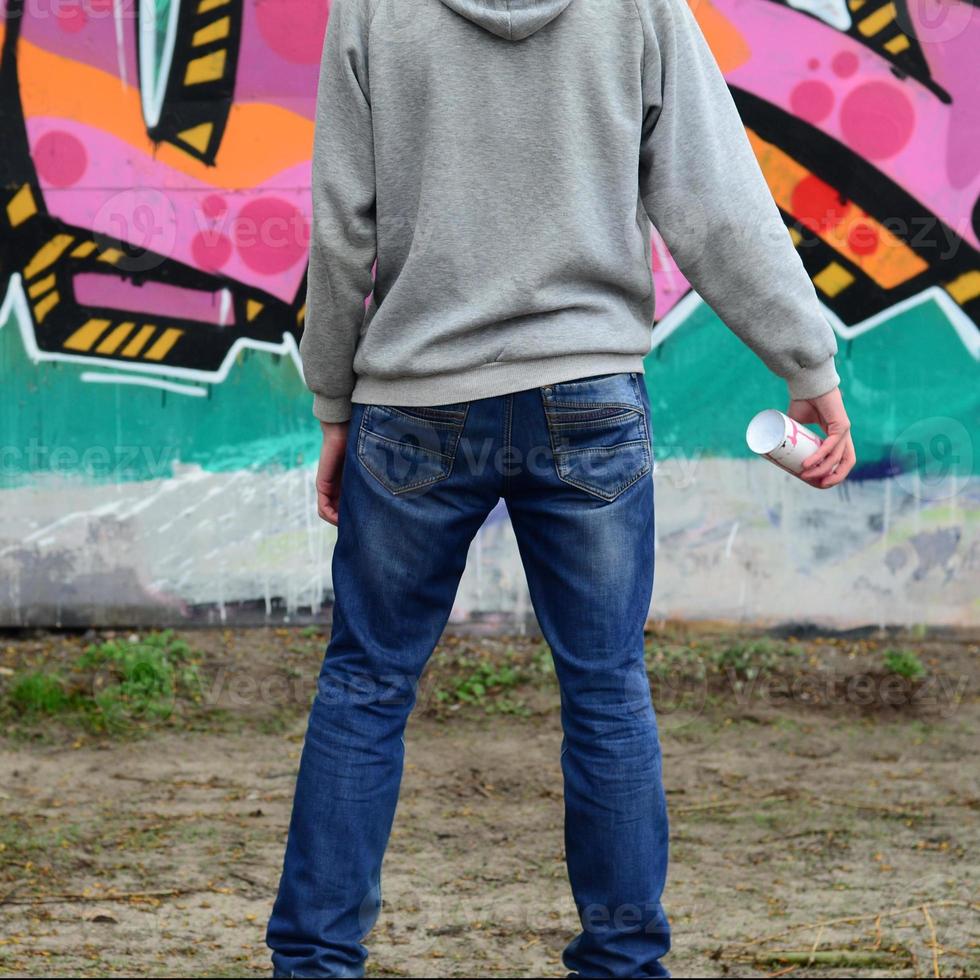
<point x="824" y="812"/>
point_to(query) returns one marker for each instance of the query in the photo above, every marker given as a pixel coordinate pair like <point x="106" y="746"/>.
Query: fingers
<point x="826" y="462"/>
<point x="833" y="469"/>
<point x="328" y="506"/>
<point x="828" y="447"/>
<point x="840" y="472"/>
<point x="830" y="464"/>
<point x="329" y="473"/>
<point x="328" y="491"/>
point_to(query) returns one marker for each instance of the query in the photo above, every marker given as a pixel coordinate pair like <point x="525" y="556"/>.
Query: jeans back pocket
<point x="409" y="448"/>
<point x="599" y="434"/>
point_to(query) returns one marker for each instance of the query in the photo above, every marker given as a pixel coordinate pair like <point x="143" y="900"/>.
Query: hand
<point x="330" y="470"/>
<point x="835" y="458"/>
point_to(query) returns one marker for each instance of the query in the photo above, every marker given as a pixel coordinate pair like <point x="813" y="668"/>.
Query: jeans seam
<point x="508" y="438"/>
<point x="643" y="412"/>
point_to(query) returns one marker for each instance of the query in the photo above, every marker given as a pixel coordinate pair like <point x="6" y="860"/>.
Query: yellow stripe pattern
<point x="47" y="254"/>
<point x="162" y="345"/>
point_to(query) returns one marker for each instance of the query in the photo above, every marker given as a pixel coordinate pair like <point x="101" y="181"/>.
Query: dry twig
<point x="933" y="940"/>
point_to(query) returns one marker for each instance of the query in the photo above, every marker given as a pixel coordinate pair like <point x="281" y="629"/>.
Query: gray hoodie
<point x="501" y="162"/>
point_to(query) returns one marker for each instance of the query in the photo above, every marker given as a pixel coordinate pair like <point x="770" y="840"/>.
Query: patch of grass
<point x="766" y="820"/>
<point x="138" y="678"/>
<point x="786" y="724"/>
<point x="242" y="970"/>
<point x="671" y="660"/>
<point x="905" y="663"/>
<point x="507" y="706"/>
<point x="486" y="682"/>
<point x="38" y="693"/>
<point x="542" y="661"/>
<point x="114" y="687"/>
<point x="697" y="661"/>
<point x="21" y="841"/>
<point x="748" y="660"/>
<point x="487" y="678"/>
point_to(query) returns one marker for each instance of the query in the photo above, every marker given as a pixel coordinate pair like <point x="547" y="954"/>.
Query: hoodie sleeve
<point x="343" y="243"/>
<point x="704" y="191"/>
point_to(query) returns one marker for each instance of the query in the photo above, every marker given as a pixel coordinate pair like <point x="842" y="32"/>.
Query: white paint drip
<point x="94" y="377"/>
<point x="117" y="20"/>
<point x="220" y="551"/>
<point x="730" y="543"/>
<point x="832" y="12"/>
<point x="225" y="309"/>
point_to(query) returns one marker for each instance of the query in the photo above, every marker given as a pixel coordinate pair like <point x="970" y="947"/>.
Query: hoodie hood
<point x="512" y="20"/>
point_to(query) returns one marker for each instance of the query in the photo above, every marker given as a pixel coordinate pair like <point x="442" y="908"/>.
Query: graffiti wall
<point x="156" y="442"/>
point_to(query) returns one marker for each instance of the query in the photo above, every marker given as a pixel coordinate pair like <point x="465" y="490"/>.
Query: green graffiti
<point x="54" y="422"/>
<point x="704" y="386"/>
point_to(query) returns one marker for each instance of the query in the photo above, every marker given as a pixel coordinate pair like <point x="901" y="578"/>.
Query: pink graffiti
<point x="953" y="61"/>
<point x="257" y="235"/>
<point x="850" y="93"/>
<point x="798" y="431"/>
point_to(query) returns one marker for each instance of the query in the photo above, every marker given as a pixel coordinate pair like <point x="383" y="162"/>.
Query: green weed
<point x="905" y="663"/>
<point x="749" y="660"/>
<point x="38" y="693"/>
<point x="484" y="683"/>
<point x="111" y="686"/>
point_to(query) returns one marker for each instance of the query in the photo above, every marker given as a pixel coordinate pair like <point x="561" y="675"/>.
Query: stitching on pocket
<point x="449" y="420"/>
<point x="447" y="460"/>
<point x="600" y="450"/>
<point x="395" y="442"/>
<point x="555" y="427"/>
<point x="598" y="491"/>
<point x="596" y="423"/>
<point x="590" y="405"/>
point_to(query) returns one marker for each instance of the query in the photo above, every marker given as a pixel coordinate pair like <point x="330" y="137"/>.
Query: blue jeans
<point x="573" y="463"/>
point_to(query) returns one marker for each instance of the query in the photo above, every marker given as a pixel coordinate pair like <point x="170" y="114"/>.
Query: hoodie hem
<point x="328" y="409"/>
<point x="491" y="380"/>
<point x="811" y="382"/>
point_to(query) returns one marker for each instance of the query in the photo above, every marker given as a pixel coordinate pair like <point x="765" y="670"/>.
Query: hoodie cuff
<point x="811" y="382"/>
<point x="331" y="409"/>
